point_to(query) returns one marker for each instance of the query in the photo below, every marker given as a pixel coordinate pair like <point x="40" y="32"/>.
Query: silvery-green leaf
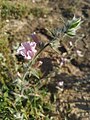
<point x="72" y="26"/>
<point x="75" y="23"/>
<point x="55" y="44"/>
<point x="35" y="73"/>
<point x="71" y="34"/>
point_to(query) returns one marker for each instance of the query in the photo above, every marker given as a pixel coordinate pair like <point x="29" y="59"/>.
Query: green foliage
<point x="5" y="60"/>
<point x="5" y="104"/>
<point x="72" y="26"/>
<point x="30" y="104"/>
<point x="18" y="10"/>
<point x="9" y="10"/>
<point x="35" y="72"/>
<point x="37" y="12"/>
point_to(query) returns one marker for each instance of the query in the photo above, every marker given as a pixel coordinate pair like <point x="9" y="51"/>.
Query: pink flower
<point x="27" y="50"/>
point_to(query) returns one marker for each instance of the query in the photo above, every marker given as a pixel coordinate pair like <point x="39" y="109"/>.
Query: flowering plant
<point x="27" y="50"/>
<point x="29" y="101"/>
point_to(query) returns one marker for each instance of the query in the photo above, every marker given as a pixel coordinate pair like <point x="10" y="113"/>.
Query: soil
<point x="76" y="73"/>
